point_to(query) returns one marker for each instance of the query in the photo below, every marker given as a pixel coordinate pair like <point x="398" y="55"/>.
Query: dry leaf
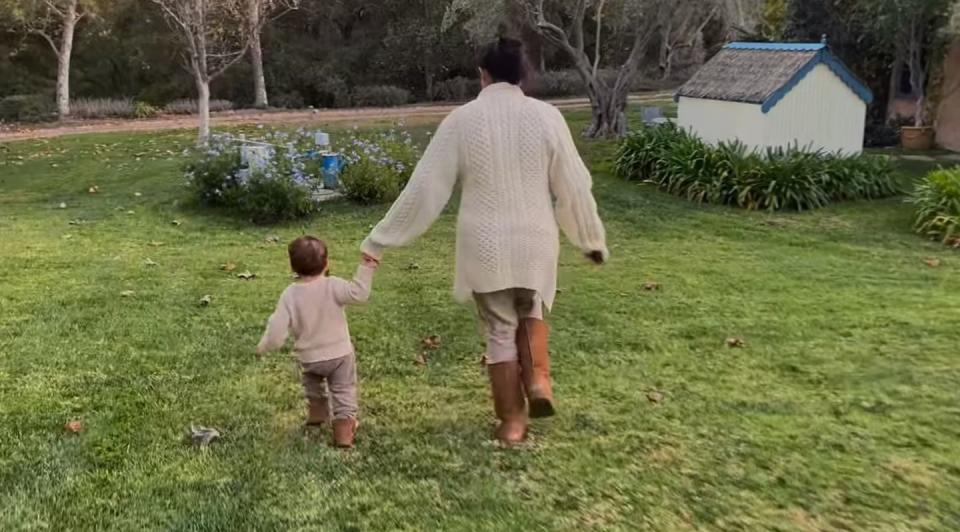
<point x="176" y="222"/>
<point x="273" y="239"/>
<point x="73" y="426"/>
<point x="655" y="397"/>
<point x="932" y="262"/>
<point x="651" y="286"/>
<point x="421" y="359"/>
<point x="247" y="276"/>
<point x="137" y="194"/>
<point x="130" y="212"/>
<point x="150" y="262"/>
<point x="127" y="293"/>
<point x="94" y="189"/>
<point x="206" y="300"/>
<point x="202" y="436"/>
<point x="63" y="205"/>
<point x="413" y="266"/>
<point x="431" y="342"/>
<point x="156" y="244"/>
<point x="228" y="267"/>
<point x="735" y="342"/>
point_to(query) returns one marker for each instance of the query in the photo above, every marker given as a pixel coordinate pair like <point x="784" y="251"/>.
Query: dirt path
<point x="411" y="113"/>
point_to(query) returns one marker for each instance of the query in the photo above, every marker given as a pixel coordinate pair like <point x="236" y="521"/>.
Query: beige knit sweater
<point x="314" y="312"/>
<point x="521" y="175"/>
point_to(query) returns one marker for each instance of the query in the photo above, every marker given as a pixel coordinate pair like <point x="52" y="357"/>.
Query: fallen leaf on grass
<point x="175" y="222"/>
<point x="127" y="293"/>
<point x="150" y="262"/>
<point x="651" y="286"/>
<point x="412" y="266"/>
<point x="73" y="426"/>
<point x="156" y="244"/>
<point x="202" y="436"/>
<point x="431" y="342"/>
<point x="228" y="267"/>
<point x="63" y="205"/>
<point x="247" y="276"/>
<point x="420" y="360"/>
<point x="655" y="397"/>
<point x="76" y="222"/>
<point x="137" y="194"/>
<point x="131" y="212"/>
<point x="273" y="239"/>
<point x="735" y="342"/>
<point x="94" y="189"/>
<point x="932" y="262"/>
<point x="206" y="300"/>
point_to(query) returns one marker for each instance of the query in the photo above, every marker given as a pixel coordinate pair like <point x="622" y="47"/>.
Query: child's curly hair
<point x="308" y="256"/>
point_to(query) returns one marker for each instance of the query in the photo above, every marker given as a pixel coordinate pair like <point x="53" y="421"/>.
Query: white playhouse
<point x="776" y="94"/>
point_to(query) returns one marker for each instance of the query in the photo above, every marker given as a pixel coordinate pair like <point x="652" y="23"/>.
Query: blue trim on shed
<point x="779" y="46"/>
<point x="825" y="57"/>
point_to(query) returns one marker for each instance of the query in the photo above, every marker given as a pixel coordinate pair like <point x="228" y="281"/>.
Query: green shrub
<point x="283" y="190"/>
<point x="380" y="96"/>
<point x="458" y="89"/>
<point x="772" y="179"/>
<point x="143" y="110"/>
<point x="93" y="108"/>
<point x="27" y="108"/>
<point x="937" y="200"/>
<point x="377" y="166"/>
<point x="190" y="107"/>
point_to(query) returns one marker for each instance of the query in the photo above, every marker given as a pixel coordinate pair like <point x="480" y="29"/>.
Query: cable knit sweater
<point x="521" y="175"/>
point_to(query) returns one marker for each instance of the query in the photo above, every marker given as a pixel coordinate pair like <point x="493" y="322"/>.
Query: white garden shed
<point x="776" y="94"/>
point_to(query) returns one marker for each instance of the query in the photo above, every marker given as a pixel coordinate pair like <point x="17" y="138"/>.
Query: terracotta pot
<point x="916" y="138"/>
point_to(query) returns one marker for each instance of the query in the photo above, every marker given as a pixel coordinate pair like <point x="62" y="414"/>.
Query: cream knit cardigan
<point x="521" y="175"/>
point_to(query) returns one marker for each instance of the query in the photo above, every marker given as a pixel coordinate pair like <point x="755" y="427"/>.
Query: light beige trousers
<point x="340" y="377"/>
<point x="500" y="315"/>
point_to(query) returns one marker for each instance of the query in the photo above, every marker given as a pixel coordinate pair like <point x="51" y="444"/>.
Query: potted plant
<point x="912" y="28"/>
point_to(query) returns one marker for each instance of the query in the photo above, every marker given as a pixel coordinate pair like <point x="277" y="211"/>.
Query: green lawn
<point x="842" y="411"/>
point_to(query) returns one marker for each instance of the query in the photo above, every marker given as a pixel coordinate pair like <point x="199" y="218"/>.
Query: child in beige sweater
<point x="313" y="309"/>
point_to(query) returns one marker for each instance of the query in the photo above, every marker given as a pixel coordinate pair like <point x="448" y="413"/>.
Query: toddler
<point x="313" y="308"/>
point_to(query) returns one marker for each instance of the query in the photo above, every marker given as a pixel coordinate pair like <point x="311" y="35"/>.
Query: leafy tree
<point x="54" y="21"/>
<point x="214" y="35"/>
<point x="259" y="13"/>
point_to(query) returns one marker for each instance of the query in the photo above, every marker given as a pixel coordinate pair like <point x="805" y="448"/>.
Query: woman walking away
<point x="521" y="175"/>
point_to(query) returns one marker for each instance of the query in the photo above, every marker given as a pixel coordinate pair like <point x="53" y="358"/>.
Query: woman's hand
<point x="369" y="261"/>
<point x="595" y="257"/>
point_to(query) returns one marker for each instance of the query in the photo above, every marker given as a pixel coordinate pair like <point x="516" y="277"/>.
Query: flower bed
<point x="286" y="182"/>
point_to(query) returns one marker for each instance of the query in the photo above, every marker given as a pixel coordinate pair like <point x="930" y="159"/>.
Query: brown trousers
<point x="500" y="314"/>
<point x="339" y="376"/>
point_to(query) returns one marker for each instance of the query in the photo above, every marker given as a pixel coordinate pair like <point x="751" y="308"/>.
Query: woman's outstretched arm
<point x="424" y="197"/>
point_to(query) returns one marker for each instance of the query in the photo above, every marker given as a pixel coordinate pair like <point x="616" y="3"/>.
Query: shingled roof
<point x="763" y="73"/>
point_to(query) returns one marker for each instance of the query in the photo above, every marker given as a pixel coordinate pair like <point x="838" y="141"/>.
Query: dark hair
<point x="504" y="60"/>
<point x="308" y="256"/>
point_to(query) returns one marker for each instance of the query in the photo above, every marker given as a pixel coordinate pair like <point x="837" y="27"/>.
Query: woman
<point x="521" y="175"/>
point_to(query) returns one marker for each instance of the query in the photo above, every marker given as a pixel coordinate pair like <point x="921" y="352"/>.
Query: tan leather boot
<point x="318" y="412"/>
<point x="344" y="431"/>
<point x="508" y="402"/>
<point x="533" y="346"/>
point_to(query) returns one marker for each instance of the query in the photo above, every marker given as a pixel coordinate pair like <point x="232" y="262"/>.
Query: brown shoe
<point x="344" y="431"/>
<point x="533" y="346"/>
<point x="508" y="402"/>
<point x="318" y="412"/>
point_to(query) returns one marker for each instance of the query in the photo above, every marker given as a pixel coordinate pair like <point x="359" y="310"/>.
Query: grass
<point x="840" y="412"/>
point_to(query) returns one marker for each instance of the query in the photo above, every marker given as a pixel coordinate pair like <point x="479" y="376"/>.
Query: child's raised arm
<point x="357" y="291"/>
<point x="278" y="326"/>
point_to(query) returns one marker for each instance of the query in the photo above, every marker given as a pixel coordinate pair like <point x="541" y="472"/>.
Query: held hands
<point x="369" y="261"/>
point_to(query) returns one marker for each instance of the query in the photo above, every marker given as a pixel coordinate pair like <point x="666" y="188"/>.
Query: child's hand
<point x="369" y="261"/>
<point x="261" y="352"/>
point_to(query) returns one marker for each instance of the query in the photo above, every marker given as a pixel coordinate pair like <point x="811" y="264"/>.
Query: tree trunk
<point x="203" y="108"/>
<point x="256" y="56"/>
<point x="63" y="60"/>
<point x="896" y="73"/>
<point x="608" y="107"/>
